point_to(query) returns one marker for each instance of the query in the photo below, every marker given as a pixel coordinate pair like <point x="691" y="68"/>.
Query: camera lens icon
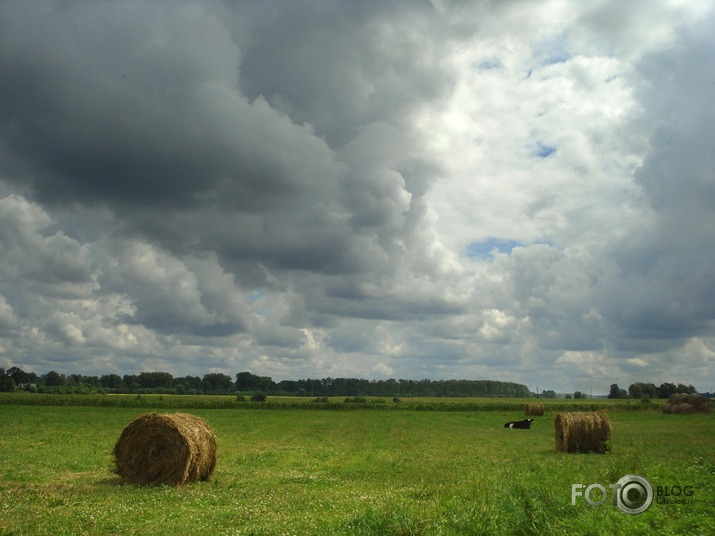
<point x="634" y="494"/>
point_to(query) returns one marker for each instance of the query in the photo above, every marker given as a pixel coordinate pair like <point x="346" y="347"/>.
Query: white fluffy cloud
<point x="518" y="191"/>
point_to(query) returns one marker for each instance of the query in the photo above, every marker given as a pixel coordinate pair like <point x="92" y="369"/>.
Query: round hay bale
<point x="677" y="398"/>
<point x="683" y="407"/>
<point x="170" y="449"/>
<point x="697" y="401"/>
<point x="687" y="403"/>
<point x="667" y="408"/>
<point x="583" y="432"/>
<point x="537" y="410"/>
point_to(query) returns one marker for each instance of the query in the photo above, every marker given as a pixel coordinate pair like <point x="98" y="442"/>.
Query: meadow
<point x="285" y="470"/>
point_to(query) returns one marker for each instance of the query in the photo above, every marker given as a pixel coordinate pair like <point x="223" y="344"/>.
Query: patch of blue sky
<point x="556" y="57"/>
<point x="552" y="51"/>
<point x="490" y="64"/>
<point x="487" y="248"/>
<point x="255" y="295"/>
<point x="544" y="151"/>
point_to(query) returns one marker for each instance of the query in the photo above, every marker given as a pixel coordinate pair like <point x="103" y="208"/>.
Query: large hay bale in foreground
<point x="532" y="409"/>
<point x="583" y="432"/>
<point x="168" y="449"/>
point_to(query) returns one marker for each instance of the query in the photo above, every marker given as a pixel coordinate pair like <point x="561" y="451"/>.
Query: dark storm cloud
<point x="342" y="65"/>
<point x="154" y="119"/>
<point x="202" y="149"/>
<point x="666" y="280"/>
<point x="140" y="108"/>
<point x="98" y="104"/>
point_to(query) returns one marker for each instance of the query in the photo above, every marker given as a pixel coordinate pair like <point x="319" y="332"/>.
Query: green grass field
<point x="303" y="471"/>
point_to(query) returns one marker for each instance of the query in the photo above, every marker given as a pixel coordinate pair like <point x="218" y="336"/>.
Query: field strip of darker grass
<point x="377" y="404"/>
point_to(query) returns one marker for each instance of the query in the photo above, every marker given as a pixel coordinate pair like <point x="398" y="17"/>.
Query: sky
<point x="508" y="190"/>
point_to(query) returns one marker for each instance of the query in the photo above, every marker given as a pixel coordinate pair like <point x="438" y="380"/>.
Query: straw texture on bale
<point x="170" y="449"/>
<point x="683" y="407"/>
<point x="537" y="410"/>
<point x="583" y="432"/>
<point x="677" y="398"/>
<point x="686" y="403"/>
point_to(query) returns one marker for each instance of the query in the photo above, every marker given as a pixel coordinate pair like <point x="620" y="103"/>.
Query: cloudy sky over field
<point x="506" y="190"/>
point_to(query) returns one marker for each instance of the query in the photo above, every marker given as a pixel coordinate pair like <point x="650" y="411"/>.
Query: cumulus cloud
<point x="417" y="189"/>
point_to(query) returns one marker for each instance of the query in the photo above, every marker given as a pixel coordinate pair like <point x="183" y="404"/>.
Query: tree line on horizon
<point x="15" y="378"/>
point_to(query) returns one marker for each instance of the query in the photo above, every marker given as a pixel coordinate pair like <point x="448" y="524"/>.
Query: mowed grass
<point x="352" y="472"/>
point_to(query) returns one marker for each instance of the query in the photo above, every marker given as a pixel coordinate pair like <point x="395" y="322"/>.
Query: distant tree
<point x="215" y="382"/>
<point x="685" y="388"/>
<point x="20" y="376"/>
<point x="267" y="384"/>
<point x="74" y="380"/>
<point x="7" y="383"/>
<point x="640" y="389"/>
<point x="648" y="389"/>
<point x="153" y="380"/>
<point x="54" y="379"/>
<point x="615" y="391"/>
<point x="635" y="390"/>
<point x="579" y="394"/>
<point x="188" y="384"/>
<point x="111" y="381"/>
<point x="548" y="394"/>
<point x="79" y="380"/>
<point x="131" y="381"/>
<point x="666" y="389"/>
<point x="245" y="381"/>
<point x="391" y="387"/>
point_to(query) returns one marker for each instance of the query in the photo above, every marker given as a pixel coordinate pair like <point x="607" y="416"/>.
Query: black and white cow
<point x="525" y="424"/>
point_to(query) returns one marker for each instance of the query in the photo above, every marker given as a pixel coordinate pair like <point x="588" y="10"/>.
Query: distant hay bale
<point x="683" y="407"/>
<point x="697" y="401"/>
<point x="680" y="403"/>
<point x="677" y="398"/>
<point x="532" y="409"/>
<point x="170" y="449"/>
<point x="583" y="432"/>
